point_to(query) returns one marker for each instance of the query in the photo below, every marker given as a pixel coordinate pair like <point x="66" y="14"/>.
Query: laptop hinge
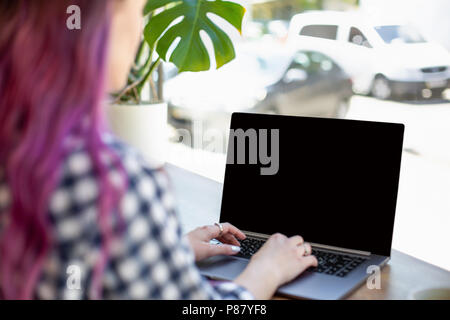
<point x="352" y="251"/>
<point x="256" y="235"/>
<point x="314" y="245"/>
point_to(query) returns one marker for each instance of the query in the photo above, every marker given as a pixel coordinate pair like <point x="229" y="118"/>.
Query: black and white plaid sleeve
<point x="151" y="260"/>
<point x="154" y="260"/>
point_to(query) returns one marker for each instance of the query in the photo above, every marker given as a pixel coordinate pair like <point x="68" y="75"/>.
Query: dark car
<point x="267" y="81"/>
<point x="312" y="85"/>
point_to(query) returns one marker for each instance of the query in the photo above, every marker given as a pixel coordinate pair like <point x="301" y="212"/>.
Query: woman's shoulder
<point x="79" y="162"/>
<point x="134" y="163"/>
<point x="79" y="186"/>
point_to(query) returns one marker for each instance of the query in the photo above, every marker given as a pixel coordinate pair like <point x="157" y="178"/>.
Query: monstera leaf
<point x="191" y="54"/>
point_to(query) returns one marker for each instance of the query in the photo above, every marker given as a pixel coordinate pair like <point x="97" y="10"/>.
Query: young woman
<point x="81" y="214"/>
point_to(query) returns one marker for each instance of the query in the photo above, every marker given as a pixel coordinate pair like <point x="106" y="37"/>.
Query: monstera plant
<point x="170" y="20"/>
<point x="171" y="34"/>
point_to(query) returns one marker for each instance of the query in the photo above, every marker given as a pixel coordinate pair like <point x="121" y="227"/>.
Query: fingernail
<point x="235" y="248"/>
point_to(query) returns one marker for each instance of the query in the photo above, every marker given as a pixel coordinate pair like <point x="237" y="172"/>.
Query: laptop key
<point x="249" y="247"/>
<point x="336" y="264"/>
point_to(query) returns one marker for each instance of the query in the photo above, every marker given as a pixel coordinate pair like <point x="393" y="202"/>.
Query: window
<point x="306" y="73"/>
<point x="405" y="34"/>
<point x="357" y="37"/>
<point x="312" y="62"/>
<point x="320" y="31"/>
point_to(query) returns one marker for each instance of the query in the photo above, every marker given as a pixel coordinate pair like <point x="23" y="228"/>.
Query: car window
<point x="358" y="38"/>
<point x="404" y="34"/>
<point x="313" y="63"/>
<point x="320" y="31"/>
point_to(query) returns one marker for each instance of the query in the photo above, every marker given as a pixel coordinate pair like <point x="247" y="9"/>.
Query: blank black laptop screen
<point x="336" y="182"/>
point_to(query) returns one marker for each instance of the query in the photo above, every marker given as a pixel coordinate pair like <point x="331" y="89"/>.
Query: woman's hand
<point x="200" y="238"/>
<point x="279" y="261"/>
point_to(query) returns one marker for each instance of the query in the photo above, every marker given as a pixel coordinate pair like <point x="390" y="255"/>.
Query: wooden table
<point x="199" y="200"/>
<point x="402" y="275"/>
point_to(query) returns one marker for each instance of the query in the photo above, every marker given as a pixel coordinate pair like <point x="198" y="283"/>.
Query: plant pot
<point x="143" y="127"/>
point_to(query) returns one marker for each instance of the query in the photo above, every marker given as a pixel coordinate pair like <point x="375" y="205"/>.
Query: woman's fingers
<point x="304" y="249"/>
<point x="297" y="240"/>
<point x="229" y="228"/>
<point x="214" y="231"/>
<point x="229" y="239"/>
<point x="308" y="248"/>
<point x="301" y="251"/>
<point x="222" y="249"/>
<point x="309" y="261"/>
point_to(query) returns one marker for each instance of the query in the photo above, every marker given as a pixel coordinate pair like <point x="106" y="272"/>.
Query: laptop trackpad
<point x="222" y="267"/>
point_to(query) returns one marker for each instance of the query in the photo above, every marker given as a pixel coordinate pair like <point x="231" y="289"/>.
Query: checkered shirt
<point x="151" y="260"/>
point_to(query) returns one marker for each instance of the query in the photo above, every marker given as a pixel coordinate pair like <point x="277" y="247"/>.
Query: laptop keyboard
<point x="249" y="247"/>
<point x="330" y="263"/>
<point x="336" y="264"/>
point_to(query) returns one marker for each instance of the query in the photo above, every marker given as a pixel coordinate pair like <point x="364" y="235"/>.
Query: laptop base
<point x="309" y="285"/>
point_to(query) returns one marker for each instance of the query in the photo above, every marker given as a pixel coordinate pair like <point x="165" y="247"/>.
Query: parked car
<point x="385" y="58"/>
<point x="203" y="102"/>
<point x="304" y="83"/>
<point x="312" y="85"/>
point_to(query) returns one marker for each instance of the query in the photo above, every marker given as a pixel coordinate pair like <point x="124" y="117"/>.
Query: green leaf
<point x="190" y="54"/>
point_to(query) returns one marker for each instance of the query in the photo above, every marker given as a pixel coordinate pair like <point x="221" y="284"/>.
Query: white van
<point x="384" y="58"/>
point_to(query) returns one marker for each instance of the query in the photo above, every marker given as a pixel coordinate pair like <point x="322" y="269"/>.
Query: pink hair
<point x="52" y="85"/>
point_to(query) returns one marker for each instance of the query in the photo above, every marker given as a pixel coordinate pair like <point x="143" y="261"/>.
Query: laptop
<point x="335" y="184"/>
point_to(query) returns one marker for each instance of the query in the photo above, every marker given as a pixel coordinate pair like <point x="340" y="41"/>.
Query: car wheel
<point x="381" y="88"/>
<point x="342" y="109"/>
